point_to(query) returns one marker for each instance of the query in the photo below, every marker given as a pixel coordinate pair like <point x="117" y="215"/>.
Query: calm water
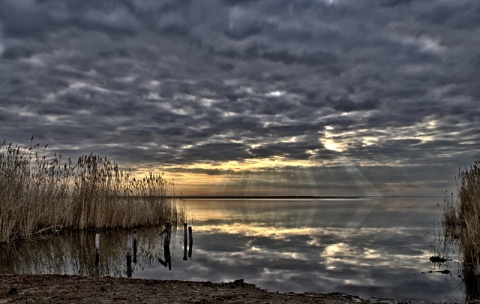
<point x="370" y="247"/>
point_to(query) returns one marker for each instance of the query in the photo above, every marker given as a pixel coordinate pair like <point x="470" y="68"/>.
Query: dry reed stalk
<point x="462" y="224"/>
<point x="37" y="192"/>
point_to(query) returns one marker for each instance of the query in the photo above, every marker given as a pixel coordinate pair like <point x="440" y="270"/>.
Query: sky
<point x="246" y="97"/>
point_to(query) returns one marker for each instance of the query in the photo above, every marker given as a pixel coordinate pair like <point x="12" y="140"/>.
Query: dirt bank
<point x="74" y="289"/>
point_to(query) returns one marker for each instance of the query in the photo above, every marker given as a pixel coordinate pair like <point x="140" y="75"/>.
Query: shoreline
<point x="46" y="288"/>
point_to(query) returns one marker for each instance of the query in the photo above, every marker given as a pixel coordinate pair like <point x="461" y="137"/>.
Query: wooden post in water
<point x="190" y="241"/>
<point x="168" y="231"/>
<point x="135" y="246"/>
<point x="184" y="241"/>
<point x="129" y="256"/>
<point x="166" y="246"/>
<point x="97" y="252"/>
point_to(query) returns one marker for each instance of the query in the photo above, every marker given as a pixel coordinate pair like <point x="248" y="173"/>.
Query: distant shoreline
<point x="284" y="197"/>
<point x="261" y="197"/>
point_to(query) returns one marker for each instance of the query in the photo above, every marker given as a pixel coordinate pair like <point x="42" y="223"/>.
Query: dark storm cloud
<point x="381" y="82"/>
<point x="346" y="105"/>
<point x="216" y="152"/>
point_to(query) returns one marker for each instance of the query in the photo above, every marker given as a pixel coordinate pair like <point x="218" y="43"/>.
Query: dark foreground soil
<point x="75" y="289"/>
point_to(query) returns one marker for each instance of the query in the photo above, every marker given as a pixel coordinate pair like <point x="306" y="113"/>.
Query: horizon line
<point x="289" y="196"/>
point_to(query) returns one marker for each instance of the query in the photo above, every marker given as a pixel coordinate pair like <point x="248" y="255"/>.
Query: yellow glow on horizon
<point x="225" y="178"/>
<point x="252" y="164"/>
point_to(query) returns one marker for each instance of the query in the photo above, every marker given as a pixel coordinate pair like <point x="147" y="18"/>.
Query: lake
<point x="372" y="247"/>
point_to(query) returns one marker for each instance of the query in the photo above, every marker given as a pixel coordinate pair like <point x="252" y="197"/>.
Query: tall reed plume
<point x="40" y="192"/>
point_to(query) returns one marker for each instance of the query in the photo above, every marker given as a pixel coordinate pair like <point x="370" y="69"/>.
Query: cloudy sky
<point x="267" y="97"/>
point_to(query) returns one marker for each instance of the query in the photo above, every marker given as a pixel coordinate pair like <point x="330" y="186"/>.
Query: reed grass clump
<point x="461" y="222"/>
<point x="40" y="193"/>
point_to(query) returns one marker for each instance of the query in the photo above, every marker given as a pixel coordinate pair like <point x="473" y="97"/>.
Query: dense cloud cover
<point x="387" y="87"/>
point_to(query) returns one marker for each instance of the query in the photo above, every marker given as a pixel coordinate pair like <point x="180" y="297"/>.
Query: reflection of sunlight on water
<point x="372" y="254"/>
<point x="356" y="255"/>
<point x="335" y="249"/>
<point x="255" y="231"/>
<point x="253" y="250"/>
<point x="332" y="256"/>
<point x="334" y="253"/>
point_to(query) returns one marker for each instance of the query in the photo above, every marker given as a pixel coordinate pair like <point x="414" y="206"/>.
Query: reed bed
<point x="40" y="193"/>
<point x="461" y="223"/>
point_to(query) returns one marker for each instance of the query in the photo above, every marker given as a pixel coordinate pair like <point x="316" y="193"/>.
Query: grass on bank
<point x="40" y="192"/>
<point x="461" y="223"/>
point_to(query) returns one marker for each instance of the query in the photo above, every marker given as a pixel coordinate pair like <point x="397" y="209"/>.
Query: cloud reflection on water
<point x="333" y="264"/>
<point x="374" y="247"/>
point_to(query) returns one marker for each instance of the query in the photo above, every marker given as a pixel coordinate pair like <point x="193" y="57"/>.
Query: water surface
<point x="369" y="247"/>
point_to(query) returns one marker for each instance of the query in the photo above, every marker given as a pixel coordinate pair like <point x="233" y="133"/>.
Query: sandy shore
<point x="75" y="289"/>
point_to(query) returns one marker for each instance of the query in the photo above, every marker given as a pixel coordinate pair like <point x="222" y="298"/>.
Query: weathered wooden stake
<point x="166" y="246"/>
<point x="129" y="265"/>
<point x="129" y="244"/>
<point x="190" y="243"/>
<point x="129" y="256"/>
<point x="97" y="241"/>
<point x="97" y="253"/>
<point x="168" y="235"/>
<point x="135" y="246"/>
